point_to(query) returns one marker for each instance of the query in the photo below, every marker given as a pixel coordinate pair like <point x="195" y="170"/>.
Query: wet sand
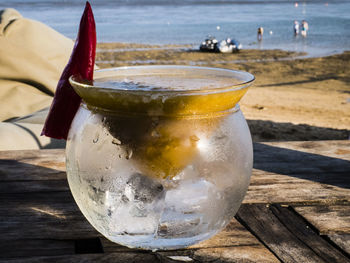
<point x="293" y="97"/>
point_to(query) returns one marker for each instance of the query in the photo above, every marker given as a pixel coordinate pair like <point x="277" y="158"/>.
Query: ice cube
<point x="189" y="195"/>
<point x="139" y="207"/>
<point x="143" y="188"/>
<point x="177" y="224"/>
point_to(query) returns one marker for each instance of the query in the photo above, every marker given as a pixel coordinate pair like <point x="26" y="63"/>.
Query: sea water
<point x="190" y="21"/>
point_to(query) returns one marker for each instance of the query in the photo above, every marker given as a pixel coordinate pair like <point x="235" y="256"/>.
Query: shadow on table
<point x="23" y="175"/>
<point x="303" y="165"/>
<point x="263" y="130"/>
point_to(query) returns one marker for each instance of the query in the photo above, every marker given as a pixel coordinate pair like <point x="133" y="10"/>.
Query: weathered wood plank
<point x="292" y="172"/>
<point x="287" y="171"/>
<point x="332" y="221"/>
<point x="271" y="154"/>
<point x="328" y="219"/>
<point x="56" y="216"/>
<point x="111" y="247"/>
<point x="30" y="165"/>
<point x="234" y="243"/>
<point x="266" y="187"/>
<point x="36" y="204"/>
<point x="23" y="248"/>
<point x="51" y="158"/>
<point x="283" y="167"/>
<point x="339" y="149"/>
<point x="301" y="163"/>
<point x="234" y="234"/>
<point x="34" y="186"/>
<point x="136" y="257"/>
<point x="42" y="216"/>
<point x="234" y="254"/>
<point x="304" y="162"/>
<point x="341" y="240"/>
<point x="222" y="254"/>
<point x="298" y="226"/>
<point x="32" y="171"/>
<point x="286" y="235"/>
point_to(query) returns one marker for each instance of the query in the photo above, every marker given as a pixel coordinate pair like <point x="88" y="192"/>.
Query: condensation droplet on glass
<point x="116" y="141"/>
<point x="155" y="133"/>
<point x="154" y="96"/>
<point x="128" y="154"/>
<point x="219" y="196"/>
<point x="95" y="140"/>
<point x="194" y="138"/>
<point x="155" y="121"/>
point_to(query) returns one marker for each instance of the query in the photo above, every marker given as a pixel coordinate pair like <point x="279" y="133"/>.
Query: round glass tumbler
<point x="160" y="157"/>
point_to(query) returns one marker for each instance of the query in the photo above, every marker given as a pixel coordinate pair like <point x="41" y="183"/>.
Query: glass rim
<point x="245" y="79"/>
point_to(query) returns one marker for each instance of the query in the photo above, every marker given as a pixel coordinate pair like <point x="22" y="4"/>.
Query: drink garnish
<point x="66" y="101"/>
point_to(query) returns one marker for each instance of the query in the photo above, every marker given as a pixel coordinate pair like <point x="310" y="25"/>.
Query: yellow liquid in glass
<point x="162" y="117"/>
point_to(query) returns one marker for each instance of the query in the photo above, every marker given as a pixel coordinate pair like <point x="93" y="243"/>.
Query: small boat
<point x="209" y="44"/>
<point x="229" y="46"/>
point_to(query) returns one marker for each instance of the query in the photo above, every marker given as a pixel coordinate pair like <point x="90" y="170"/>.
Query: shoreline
<point x="293" y="97"/>
<point x="125" y="46"/>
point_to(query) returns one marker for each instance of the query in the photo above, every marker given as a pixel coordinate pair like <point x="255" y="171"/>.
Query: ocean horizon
<point x="189" y="22"/>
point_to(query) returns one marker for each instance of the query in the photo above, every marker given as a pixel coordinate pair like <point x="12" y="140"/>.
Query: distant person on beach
<point x="260" y="33"/>
<point x="296" y="28"/>
<point x="304" y="28"/>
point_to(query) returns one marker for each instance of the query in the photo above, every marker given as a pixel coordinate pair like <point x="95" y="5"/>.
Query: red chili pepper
<point x="66" y="102"/>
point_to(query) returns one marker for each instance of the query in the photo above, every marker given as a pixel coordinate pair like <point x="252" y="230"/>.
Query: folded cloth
<point x="24" y="134"/>
<point x="32" y="58"/>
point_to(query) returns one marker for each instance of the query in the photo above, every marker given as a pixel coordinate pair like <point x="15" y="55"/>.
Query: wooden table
<point x="296" y="210"/>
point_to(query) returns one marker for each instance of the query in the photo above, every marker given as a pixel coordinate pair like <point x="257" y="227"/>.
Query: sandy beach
<point x="293" y="98"/>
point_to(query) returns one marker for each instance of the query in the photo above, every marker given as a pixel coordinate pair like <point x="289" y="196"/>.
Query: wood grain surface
<point x="297" y="209"/>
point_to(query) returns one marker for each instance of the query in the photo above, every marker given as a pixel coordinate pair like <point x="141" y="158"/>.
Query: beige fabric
<point x="32" y="58"/>
<point x="24" y="134"/>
